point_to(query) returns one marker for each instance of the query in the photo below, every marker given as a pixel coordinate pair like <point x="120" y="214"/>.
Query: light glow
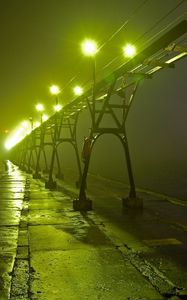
<point x="89" y="47"/>
<point x="45" y="118"/>
<point x="78" y="91"/>
<point x="129" y="50"/>
<point x="57" y="107"/>
<point x="25" y="124"/>
<point x="36" y="124"/>
<point x="54" y="90"/>
<point x="39" y="107"/>
<point x="15" y="138"/>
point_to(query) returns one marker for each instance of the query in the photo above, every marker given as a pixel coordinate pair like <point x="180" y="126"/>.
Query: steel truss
<point x="63" y="130"/>
<point x="59" y="129"/>
<point x="109" y="98"/>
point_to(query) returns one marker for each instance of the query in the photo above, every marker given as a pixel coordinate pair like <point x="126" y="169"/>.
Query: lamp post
<point x="45" y="117"/>
<point x="55" y="91"/>
<point x="31" y="145"/>
<point x="31" y="123"/>
<point x="51" y="184"/>
<point x="129" y="51"/>
<point x="40" y="108"/>
<point x="90" y="49"/>
<point x="78" y="91"/>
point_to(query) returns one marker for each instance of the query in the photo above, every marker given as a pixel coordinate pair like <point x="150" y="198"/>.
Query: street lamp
<point x="45" y="118"/>
<point x="25" y="124"/>
<point x="89" y="47"/>
<point x="57" y="107"/>
<point x="31" y="123"/>
<point x="40" y="108"/>
<point x="78" y="90"/>
<point x="36" y="124"/>
<point x="129" y="50"/>
<point x="55" y="90"/>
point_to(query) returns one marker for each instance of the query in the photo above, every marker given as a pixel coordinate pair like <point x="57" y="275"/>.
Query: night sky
<point x="40" y="45"/>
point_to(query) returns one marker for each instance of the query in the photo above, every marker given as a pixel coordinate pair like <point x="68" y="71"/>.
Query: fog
<point x="156" y="131"/>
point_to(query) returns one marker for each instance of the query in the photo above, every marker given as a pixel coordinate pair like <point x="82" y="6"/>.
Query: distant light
<point x="129" y="50"/>
<point x="89" y="47"/>
<point x="39" y="107"/>
<point x="15" y="138"/>
<point x="45" y="118"/>
<point x="57" y="107"/>
<point x="26" y="127"/>
<point x="10" y="144"/>
<point x="25" y="124"/>
<point x="78" y="91"/>
<point x="36" y="124"/>
<point x="54" y="90"/>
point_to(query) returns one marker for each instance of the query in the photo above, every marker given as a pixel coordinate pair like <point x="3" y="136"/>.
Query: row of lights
<point x="89" y="48"/>
<point x="26" y="127"/>
<point x="55" y="90"/>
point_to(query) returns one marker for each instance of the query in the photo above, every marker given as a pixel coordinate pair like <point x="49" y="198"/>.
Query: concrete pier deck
<point x="50" y="252"/>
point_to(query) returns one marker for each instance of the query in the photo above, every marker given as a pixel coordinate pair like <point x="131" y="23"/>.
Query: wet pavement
<point x="12" y="184"/>
<point x="50" y="252"/>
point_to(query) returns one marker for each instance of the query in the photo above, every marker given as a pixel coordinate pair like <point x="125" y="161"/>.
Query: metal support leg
<point x="59" y="175"/>
<point x="29" y="162"/>
<point x="51" y="184"/>
<point x="23" y="159"/>
<point x="132" y="193"/>
<point x="45" y="159"/>
<point x="83" y="203"/>
<point x="78" y="182"/>
<point x="131" y="201"/>
<point x="37" y="175"/>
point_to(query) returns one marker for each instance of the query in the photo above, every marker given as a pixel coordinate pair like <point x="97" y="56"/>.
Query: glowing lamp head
<point x="129" y="50"/>
<point x="89" y="47"/>
<point x="25" y="124"/>
<point x="36" y="124"/>
<point x="45" y="118"/>
<point x="39" y="107"/>
<point x="57" y="107"/>
<point x="54" y="90"/>
<point x="78" y="91"/>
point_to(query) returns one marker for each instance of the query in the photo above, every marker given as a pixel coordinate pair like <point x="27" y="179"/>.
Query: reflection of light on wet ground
<point x="17" y="190"/>
<point x="18" y="204"/>
<point x="13" y="170"/>
<point x="14" y="185"/>
<point x="9" y="167"/>
<point x="17" y="195"/>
